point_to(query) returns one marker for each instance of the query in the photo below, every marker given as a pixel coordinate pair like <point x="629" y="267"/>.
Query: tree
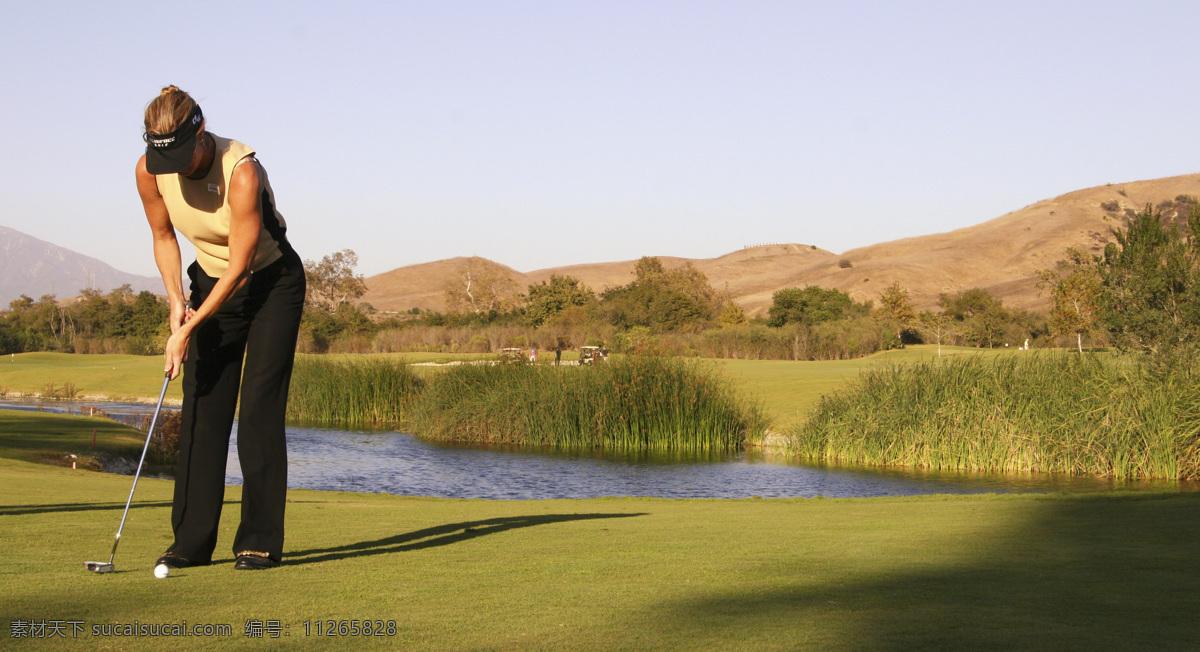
<point x="332" y="281"/>
<point x="981" y="317"/>
<point x="8" y="340"/>
<point x="648" y="267"/>
<point x="894" y="305"/>
<point x="548" y="299"/>
<point x="661" y="299"/>
<point x="731" y="315"/>
<point x="150" y="317"/>
<point x="896" y="308"/>
<point x="481" y="286"/>
<point x="40" y="325"/>
<point x="812" y="305"/>
<point x="937" y="324"/>
<point x="1150" y="279"/>
<point x="1075" y="291"/>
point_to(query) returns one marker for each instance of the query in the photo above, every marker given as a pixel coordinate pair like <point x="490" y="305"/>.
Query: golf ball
<point x="161" y="571"/>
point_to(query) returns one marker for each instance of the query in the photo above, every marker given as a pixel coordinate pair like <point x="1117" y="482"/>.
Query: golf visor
<point x="172" y="153"/>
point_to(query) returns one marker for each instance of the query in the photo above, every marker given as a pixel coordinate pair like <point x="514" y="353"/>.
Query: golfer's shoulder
<point x="147" y="183"/>
<point x="245" y="172"/>
<point x="245" y="183"/>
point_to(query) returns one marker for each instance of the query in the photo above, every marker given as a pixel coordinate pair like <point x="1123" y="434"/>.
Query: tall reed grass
<point x="638" y="403"/>
<point x="369" y="392"/>
<point x="1036" y="412"/>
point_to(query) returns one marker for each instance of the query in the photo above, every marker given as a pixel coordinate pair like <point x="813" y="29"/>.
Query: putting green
<point x="990" y="572"/>
<point x="1011" y="572"/>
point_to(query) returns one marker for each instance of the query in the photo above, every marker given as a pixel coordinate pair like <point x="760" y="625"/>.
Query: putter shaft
<point x="106" y="568"/>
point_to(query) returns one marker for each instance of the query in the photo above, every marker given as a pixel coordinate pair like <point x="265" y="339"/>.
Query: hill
<point x="1001" y="255"/>
<point x="35" y="267"/>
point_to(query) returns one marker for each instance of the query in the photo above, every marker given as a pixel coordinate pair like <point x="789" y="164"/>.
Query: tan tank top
<point x="199" y="209"/>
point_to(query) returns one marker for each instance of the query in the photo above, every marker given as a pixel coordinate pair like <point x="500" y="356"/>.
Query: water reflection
<point x="397" y="463"/>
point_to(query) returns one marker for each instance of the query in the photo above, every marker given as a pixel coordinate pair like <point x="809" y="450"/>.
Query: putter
<point x="102" y="567"/>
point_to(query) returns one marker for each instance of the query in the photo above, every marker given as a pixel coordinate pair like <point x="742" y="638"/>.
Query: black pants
<point x="259" y="325"/>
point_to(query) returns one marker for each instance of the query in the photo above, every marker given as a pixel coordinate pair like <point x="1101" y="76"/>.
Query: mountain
<point x="1001" y="255"/>
<point x="35" y="267"/>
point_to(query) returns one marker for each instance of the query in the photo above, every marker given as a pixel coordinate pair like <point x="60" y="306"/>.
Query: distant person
<point x="240" y="324"/>
<point x="533" y="354"/>
<point x="557" y="355"/>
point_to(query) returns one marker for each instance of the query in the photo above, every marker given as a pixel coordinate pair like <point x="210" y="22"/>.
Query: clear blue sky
<point x="540" y="134"/>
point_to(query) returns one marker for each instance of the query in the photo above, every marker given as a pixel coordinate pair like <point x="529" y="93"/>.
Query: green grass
<point x="102" y="377"/>
<point x="1050" y="412"/>
<point x="362" y="392"/>
<point x="121" y="377"/>
<point x="1113" y="572"/>
<point x="51" y="439"/>
<point x="634" y="403"/>
<point x="1108" y="572"/>
<point x="789" y="390"/>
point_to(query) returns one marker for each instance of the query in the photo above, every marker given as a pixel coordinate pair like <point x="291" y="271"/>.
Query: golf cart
<point x="589" y="354"/>
<point x="512" y="354"/>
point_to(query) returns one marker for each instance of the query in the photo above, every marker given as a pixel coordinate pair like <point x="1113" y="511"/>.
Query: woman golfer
<point x="238" y="327"/>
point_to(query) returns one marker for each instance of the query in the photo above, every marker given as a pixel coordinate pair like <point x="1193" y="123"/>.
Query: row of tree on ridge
<point x="1141" y="294"/>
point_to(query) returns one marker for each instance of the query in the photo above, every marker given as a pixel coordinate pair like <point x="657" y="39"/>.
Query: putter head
<point x="98" y="566"/>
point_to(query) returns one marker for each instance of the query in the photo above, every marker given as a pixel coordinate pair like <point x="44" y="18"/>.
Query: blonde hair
<point x="169" y="111"/>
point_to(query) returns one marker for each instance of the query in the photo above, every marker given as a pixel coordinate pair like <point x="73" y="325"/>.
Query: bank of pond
<point x="1034" y="413"/>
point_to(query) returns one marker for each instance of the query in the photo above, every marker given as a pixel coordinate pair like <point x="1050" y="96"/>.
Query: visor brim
<point x="173" y="160"/>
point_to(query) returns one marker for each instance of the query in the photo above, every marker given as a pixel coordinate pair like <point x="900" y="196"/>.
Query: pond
<point x="398" y="463"/>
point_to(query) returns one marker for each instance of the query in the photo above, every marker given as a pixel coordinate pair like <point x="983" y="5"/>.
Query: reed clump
<point x="636" y="403"/>
<point x="370" y="392"/>
<point x="1053" y="413"/>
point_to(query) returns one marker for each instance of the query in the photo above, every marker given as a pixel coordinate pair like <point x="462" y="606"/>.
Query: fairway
<point x="122" y="377"/>
<point x="789" y="389"/>
<point x="786" y="389"/>
<point x="1113" y="571"/>
<point x="980" y="572"/>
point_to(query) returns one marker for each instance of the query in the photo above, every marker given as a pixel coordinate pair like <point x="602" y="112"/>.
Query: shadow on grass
<point x="22" y="510"/>
<point x="442" y="535"/>
<point x="1113" y="572"/>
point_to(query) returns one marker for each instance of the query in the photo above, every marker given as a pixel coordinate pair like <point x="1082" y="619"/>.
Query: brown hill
<point x="1001" y="256"/>
<point x="419" y="286"/>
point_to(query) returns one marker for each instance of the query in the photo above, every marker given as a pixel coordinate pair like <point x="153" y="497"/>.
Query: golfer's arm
<point x="245" y="223"/>
<point x="166" y="247"/>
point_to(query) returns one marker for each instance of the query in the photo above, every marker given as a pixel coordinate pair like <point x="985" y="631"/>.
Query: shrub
<point x="164" y="446"/>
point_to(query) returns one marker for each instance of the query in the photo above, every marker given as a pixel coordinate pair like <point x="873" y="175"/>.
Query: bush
<point x="164" y="446"/>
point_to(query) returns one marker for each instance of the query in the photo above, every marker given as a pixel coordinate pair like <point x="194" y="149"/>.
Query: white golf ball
<point x="161" y="571"/>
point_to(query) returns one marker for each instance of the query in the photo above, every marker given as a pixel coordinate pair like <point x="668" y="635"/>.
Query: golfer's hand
<point x="180" y="315"/>
<point x="176" y="353"/>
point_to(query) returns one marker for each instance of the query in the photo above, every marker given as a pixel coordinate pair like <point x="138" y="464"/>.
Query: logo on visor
<point x="197" y="118"/>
